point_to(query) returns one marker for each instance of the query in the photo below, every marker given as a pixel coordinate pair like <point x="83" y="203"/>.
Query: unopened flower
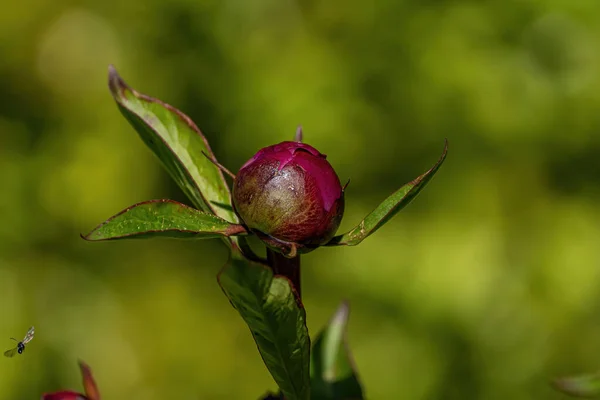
<point x="289" y="194"/>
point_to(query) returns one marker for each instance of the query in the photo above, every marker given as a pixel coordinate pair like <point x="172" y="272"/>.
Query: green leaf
<point x="179" y="144"/>
<point x="332" y="371"/>
<point x="586" y="386"/>
<point x="165" y="218"/>
<point x="276" y="318"/>
<point x="388" y="208"/>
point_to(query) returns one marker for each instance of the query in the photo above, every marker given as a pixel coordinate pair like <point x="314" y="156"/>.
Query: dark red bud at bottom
<point x="64" y="395"/>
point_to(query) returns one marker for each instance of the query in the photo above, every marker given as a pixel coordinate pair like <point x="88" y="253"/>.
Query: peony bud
<point x="290" y="196"/>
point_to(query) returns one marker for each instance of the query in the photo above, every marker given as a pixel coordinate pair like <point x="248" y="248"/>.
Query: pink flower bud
<point x="290" y="193"/>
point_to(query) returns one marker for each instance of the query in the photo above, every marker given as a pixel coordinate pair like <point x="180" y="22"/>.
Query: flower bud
<point x="289" y="194"/>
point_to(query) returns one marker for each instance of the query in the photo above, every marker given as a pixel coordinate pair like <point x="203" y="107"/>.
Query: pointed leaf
<point x="271" y="309"/>
<point x="388" y="208"/>
<point x="179" y="144"/>
<point x="586" y="386"/>
<point x="332" y="371"/>
<point x="165" y="218"/>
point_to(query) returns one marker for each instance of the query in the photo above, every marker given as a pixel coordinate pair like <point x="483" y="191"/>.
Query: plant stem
<point x="288" y="267"/>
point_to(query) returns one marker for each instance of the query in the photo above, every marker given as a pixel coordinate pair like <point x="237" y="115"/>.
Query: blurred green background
<point x="486" y="287"/>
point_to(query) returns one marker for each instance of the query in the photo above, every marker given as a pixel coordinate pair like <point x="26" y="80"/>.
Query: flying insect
<point x="20" y="345"/>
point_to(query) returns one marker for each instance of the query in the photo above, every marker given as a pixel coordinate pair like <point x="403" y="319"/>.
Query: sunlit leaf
<point x="586" y="386"/>
<point x="277" y="321"/>
<point x="388" y="208"/>
<point x="165" y="218"/>
<point x="179" y="144"/>
<point x="333" y="376"/>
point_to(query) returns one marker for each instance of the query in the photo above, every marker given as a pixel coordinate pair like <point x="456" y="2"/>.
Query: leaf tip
<point x="345" y="186"/>
<point x="582" y="386"/>
<point x="443" y="156"/>
<point x="299" y="134"/>
<point x="89" y="237"/>
<point x="342" y="313"/>
<point x="433" y="169"/>
<point x="116" y="84"/>
<point x="563" y="385"/>
<point x="83" y="366"/>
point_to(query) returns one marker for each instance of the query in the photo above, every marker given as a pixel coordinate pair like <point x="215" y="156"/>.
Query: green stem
<point x="288" y="267"/>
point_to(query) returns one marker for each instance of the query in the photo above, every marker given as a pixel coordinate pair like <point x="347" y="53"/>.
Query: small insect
<point x="20" y="345"/>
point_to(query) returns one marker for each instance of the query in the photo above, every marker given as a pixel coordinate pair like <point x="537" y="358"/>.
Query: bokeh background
<point x="486" y="287"/>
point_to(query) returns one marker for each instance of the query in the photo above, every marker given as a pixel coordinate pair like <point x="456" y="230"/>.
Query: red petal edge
<point x="64" y="395"/>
